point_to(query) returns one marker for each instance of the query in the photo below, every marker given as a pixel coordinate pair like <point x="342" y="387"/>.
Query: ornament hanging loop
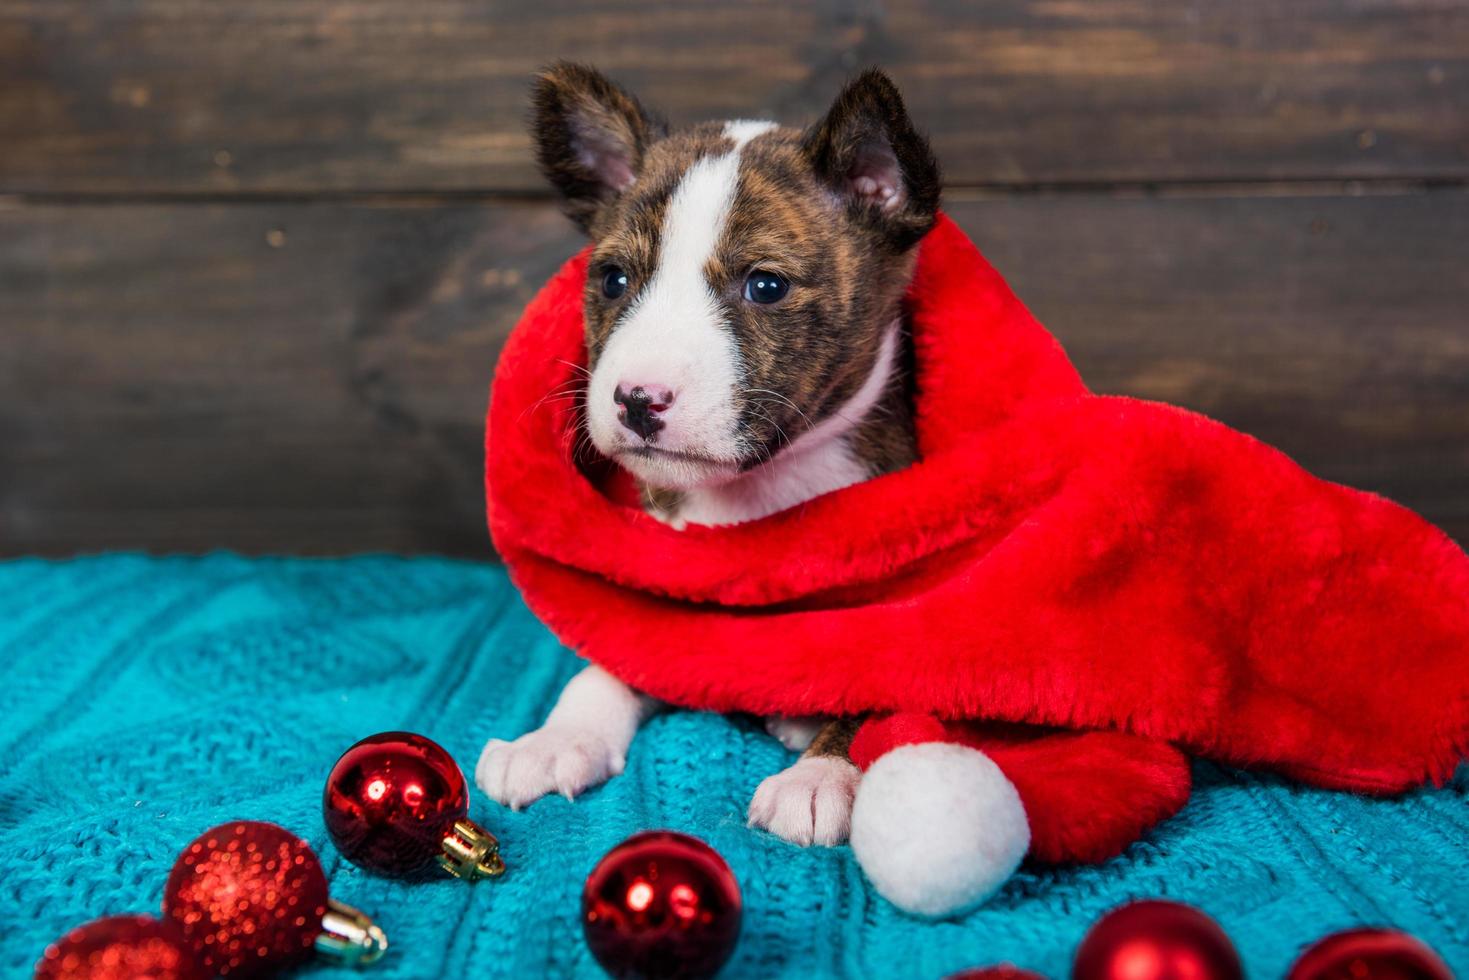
<point x="471" y="852"/>
<point x="348" y="937"/>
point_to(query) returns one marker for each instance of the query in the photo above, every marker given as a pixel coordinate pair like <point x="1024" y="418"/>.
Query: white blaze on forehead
<point x="744" y="130"/>
<point x="674" y="335"/>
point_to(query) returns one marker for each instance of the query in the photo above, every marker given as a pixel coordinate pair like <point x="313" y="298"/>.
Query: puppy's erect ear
<point x="868" y="152"/>
<point x="590" y="136"/>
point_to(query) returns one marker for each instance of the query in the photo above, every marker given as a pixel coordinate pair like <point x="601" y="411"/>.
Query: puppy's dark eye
<point x="766" y="287"/>
<point x="614" y="282"/>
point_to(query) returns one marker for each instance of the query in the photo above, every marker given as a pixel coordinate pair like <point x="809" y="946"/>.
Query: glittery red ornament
<point x="1005" y="971"/>
<point x="396" y="803"/>
<point x="1156" y="940"/>
<point x="251" y="898"/>
<point x="1378" y="954"/>
<point x="661" y="905"/>
<point x="122" y="947"/>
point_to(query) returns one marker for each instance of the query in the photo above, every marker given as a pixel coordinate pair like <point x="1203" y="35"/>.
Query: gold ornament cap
<point x="348" y="937"/>
<point x="470" y="851"/>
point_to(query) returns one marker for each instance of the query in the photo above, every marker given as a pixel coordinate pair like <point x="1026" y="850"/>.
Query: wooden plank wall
<point x="256" y="258"/>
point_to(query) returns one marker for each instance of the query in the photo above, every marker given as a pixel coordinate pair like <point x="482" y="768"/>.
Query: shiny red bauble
<point x="397" y="804"/>
<point x="661" y="905"/>
<point x="122" y="947"/>
<point x="1370" y="954"/>
<point x="1156" y="940"/>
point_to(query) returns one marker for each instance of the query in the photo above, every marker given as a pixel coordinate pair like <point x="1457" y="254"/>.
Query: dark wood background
<point x="257" y="257"/>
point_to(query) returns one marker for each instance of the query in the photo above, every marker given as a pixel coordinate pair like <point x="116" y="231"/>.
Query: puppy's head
<point x="743" y="278"/>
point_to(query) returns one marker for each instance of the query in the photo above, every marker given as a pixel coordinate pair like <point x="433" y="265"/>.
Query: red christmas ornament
<point x="1156" y="940"/>
<point x="251" y="898"/>
<point x="661" y="905"/>
<point x="396" y="803"/>
<point x="1378" y="954"/>
<point x="1005" y="971"/>
<point x="122" y="947"/>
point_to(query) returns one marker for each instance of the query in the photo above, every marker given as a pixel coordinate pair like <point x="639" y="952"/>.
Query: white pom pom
<point x="938" y="828"/>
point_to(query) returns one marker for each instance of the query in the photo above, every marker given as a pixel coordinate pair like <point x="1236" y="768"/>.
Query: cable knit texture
<point x="146" y="699"/>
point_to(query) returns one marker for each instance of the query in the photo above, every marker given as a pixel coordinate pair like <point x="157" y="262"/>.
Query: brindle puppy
<point x="746" y="349"/>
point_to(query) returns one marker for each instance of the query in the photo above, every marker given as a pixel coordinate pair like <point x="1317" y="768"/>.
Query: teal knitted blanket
<point x="144" y="700"/>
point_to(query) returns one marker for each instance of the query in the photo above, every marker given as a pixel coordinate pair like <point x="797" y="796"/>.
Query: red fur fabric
<point x="1139" y="575"/>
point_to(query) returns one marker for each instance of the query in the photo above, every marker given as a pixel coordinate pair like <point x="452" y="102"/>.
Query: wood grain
<point x="174" y="97"/>
<point x="310" y="378"/>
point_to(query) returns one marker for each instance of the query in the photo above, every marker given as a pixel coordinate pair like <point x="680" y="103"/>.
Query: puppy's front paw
<point x="809" y="803"/>
<point x="553" y="759"/>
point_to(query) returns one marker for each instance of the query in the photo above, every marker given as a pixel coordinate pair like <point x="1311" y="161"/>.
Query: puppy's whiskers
<point x="567" y="390"/>
<point x="785" y="401"/>
<point x="763" y="452"/>
<point x="757" y="406"/>
<point x="575" y="367"/>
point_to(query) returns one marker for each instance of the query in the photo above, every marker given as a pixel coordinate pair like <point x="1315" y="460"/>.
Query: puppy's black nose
<point x="640" y="409"/>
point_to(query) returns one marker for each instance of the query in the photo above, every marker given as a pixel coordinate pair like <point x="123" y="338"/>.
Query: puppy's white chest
<point x="789" y="479"/>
